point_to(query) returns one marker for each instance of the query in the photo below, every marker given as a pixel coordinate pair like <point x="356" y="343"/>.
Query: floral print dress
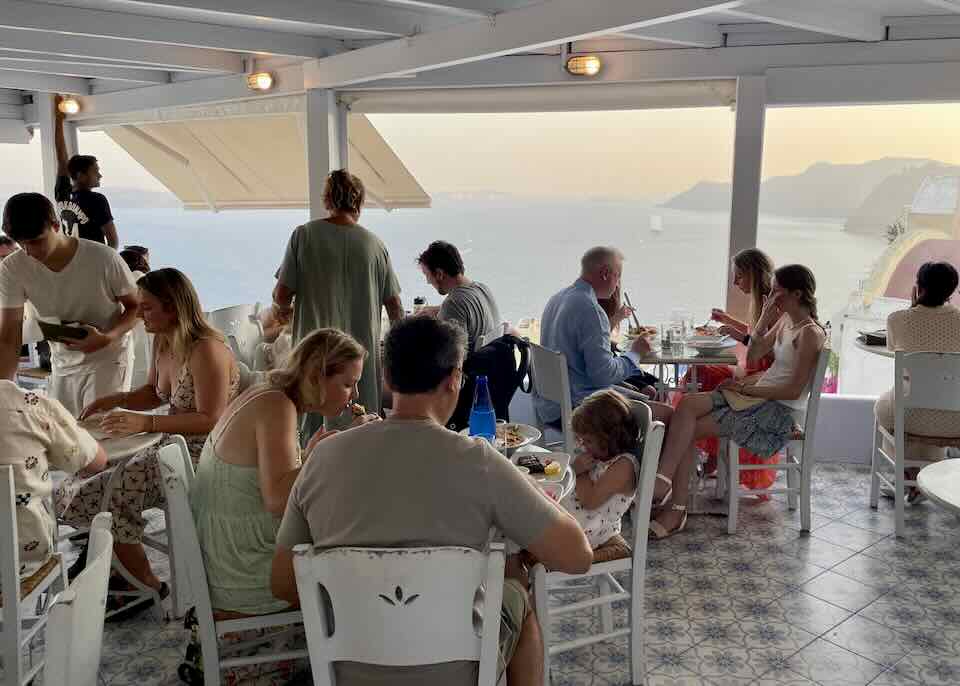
<point x="603" y="523"/>
<point x="136" y="486"/>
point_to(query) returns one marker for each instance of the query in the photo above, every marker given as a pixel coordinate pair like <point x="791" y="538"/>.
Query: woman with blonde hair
<point x="251" y="459"/>
<point x="194" y="372"/>
<point x="337" y="274"/>
<point x="753" y="276"/>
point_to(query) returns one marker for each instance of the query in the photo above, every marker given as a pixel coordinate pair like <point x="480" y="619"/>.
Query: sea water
<point x="524" y="249"/>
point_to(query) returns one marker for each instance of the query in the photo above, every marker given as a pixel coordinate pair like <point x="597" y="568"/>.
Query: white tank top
<point x="784" y="364"/>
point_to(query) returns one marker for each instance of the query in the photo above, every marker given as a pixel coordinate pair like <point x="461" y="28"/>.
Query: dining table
<point x="880" y="350"/>
<point x="940" y="481"/>
<point x="676" y="358"/>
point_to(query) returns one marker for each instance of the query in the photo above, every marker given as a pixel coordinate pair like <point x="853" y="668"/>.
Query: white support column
<point x="70" y="136"/>
<point x="747" y="167"/>
<point x="343" y="143"/>
<point x="323" y="154"/>
<point x="48" y="150"/>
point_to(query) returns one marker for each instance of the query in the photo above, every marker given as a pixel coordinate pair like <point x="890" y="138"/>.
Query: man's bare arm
<point x="110" y="232"/>
<point x="59" y="141"/>
<point x="394" y="308"/>
<point x="11" y="335"/>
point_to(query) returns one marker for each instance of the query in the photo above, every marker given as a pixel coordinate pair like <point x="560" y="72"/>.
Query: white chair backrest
<point x="551" y="381"/>
<point x="10" y="550"/>
<point x="182" y="532"/>
<point x="400" y="606"/>
<point x="927" y="380"/>
<point x="240" y="325"/>
<point x="651" y="434"/>
<point x="808" y="417"/>
<point x="75" y="626"/>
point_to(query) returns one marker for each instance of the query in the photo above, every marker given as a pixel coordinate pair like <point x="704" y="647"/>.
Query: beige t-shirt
<point x="409" y="483"/>
<point x="38" y="433"/>
<point x="85" y="291"/>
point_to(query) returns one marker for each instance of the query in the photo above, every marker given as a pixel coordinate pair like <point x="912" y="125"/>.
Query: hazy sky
<point x="650" y="154"/>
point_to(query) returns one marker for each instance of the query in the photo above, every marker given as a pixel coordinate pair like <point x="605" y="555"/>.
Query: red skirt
<point x="708" y="378"/>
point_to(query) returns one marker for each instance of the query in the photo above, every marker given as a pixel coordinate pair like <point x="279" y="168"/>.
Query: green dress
<point x="341" y="276"/>
<point x="237" y="535"/>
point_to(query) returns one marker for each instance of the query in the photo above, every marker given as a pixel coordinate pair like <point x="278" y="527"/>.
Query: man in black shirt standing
<point x="83" y="213"/>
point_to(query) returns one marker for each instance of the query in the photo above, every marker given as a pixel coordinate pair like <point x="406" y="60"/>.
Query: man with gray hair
<point x="574" y="324"/>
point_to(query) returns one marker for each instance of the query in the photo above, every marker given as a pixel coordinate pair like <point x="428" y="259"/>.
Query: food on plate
<point x="707" y="331"/>
<point x="357" y="409"/>
<point x="644" y="331"/>
<point x="532" y="463"/>
<point x="510" y="436"/>
<point x="553" y="469"/>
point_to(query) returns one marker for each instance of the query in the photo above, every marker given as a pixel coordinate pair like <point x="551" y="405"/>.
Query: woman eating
<point x="248" y="466"/>
<point x="756" y="412"/>
<point x="195" y="372"/>
<point x="753" y="276"/>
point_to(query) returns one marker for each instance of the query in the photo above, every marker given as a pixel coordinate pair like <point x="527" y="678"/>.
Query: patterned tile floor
<point x="848" y="605"/>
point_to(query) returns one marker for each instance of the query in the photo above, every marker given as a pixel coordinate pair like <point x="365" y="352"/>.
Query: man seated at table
<point x="575" y="324"/>
<point x="468" y="302"/>
<point x="442" y="489"/>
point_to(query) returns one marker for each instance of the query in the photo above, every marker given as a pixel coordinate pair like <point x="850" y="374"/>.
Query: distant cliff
<point x="822" y="190"/>
<point x="886" y="203"/>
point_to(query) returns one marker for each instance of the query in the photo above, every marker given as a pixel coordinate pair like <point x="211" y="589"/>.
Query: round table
<point x="940" y="482"/>
<point x="880" y="350"/>
<point x="122" y="447"/>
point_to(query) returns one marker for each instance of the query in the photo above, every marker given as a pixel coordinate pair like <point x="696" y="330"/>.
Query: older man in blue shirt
<point x="574" y="324"/>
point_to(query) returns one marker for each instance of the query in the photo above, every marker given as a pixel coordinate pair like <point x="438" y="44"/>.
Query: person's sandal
<point x="667" y="496"/>
<point x="660" y="532"/>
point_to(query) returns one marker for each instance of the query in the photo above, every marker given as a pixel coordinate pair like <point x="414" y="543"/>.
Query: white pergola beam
<point x="334" y="16"/>
<point x="43" y="83"/>
<point x="463" y="8"/>
<point x="18" y="56"/>
<point x="161" y="56"/>
<point x="86" y="71"/>
<point x="821" y="16"/>
<point x="691" y="33"/>
<point x="527" y="28"/>
<point x="288" y="80"/>
<point x="78" y="21"/>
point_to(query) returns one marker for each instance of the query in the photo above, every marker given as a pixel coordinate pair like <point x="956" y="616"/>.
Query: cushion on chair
<point x="29" y="585"/>
<point x="939" y="441"/>
<point x="614" y="549"/>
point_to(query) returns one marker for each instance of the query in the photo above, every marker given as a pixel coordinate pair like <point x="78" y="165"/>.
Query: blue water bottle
<point x="483" y="420"/>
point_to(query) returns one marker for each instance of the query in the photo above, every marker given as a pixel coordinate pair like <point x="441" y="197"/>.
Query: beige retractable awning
<point x="258" y="162"/>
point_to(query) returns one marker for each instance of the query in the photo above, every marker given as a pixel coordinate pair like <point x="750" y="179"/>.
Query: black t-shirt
<point x="82" y="213"/>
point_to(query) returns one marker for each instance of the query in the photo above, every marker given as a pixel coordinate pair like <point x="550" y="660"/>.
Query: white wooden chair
<point x="921" y="381"/>
<point x="75" y="629"/>
<point x="609" y="589"/>
<point x="186" y="556"/>
<point x="798" y="466"/>
<point x="551" y="381"/>
<point x="241" y="327"/>
<point x="24" y="606"/>
<point x="400" y="606"/>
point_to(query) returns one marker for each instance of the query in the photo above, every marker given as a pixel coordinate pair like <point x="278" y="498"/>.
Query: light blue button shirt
<point x="574" y="324"/>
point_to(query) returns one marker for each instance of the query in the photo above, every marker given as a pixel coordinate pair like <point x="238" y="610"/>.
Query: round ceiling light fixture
<point x="68" y="106"/>
<point x="260" y="81"/>
<point x="583" y="65"/>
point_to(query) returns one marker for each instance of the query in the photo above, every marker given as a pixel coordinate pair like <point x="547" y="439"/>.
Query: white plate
<point x="530" y="434"/>
<point x="545" y="458"/>
<point x="709" y="349"/>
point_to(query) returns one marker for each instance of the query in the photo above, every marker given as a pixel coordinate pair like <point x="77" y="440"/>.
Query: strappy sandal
<point x="668" y="495"/>
<point x="660" y="532"/>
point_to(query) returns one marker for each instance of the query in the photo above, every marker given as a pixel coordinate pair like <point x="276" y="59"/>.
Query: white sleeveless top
<point x="604" y="523"/>
<point x="784" y="364"/>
